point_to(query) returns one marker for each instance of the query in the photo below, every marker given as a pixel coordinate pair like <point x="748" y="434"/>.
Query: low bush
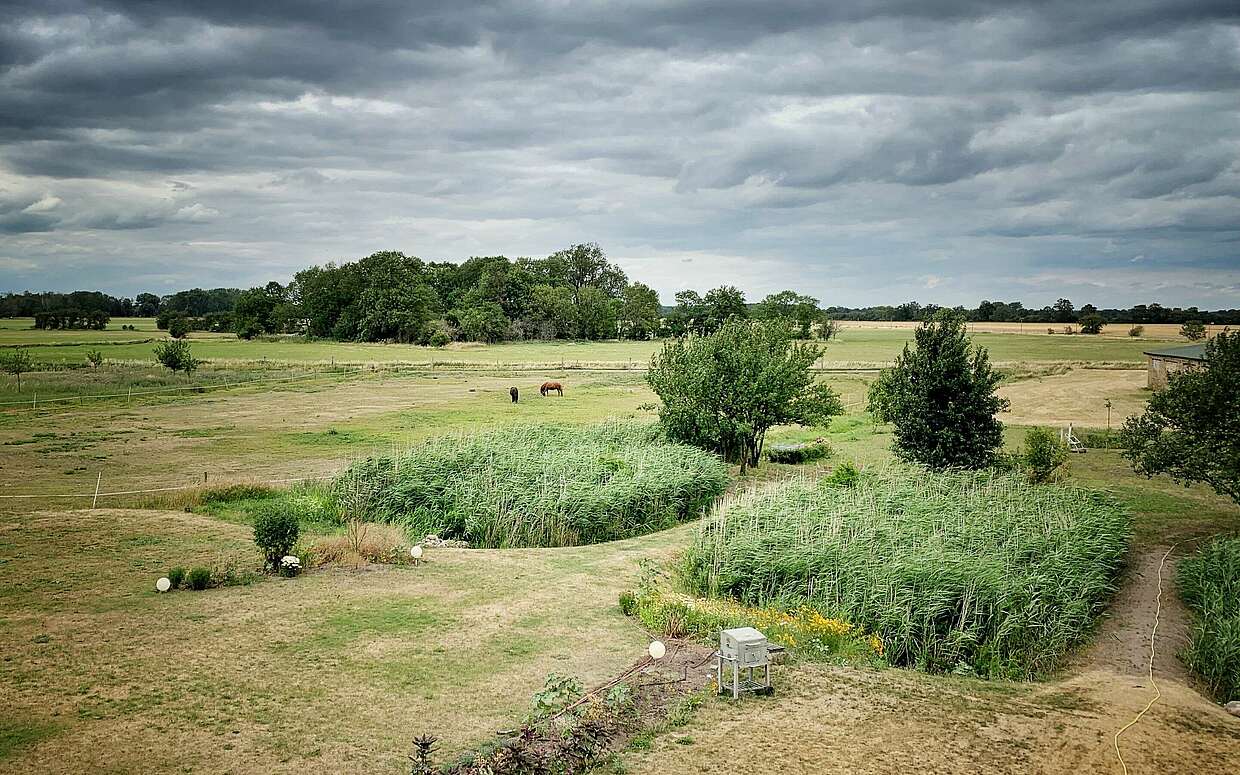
<point x="236" y="491"/>
<point x="843" y="475"/>
<point x="1045" y="454"/>
<point x="176" y="576"/>
<point x="957" y="571"/>
<point x="536" y="485"/>
<point x="275" y="533"/>
<point x="1136" y="331"/>
<point x="804" y="452"/>
<point x="198" y="579"/>
<point x="1209" y="582"/>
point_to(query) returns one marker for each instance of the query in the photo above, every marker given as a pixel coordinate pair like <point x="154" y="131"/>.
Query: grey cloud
<point x="883" y="134"/>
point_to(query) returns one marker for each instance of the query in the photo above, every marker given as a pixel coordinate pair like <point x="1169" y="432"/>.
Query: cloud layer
<point x="871" y="153"/>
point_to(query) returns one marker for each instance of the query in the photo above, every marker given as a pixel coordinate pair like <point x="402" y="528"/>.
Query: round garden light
<point x="163" y="585"/>
<point x="415" y="552"/>
<point x="657" y="649"/>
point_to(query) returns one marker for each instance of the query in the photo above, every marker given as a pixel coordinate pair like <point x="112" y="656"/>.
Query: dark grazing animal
<point x="547" y="387"/>
<point x="512" y="391"/>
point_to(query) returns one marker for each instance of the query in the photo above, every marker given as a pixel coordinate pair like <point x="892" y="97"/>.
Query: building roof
<point x="1193" y="352"/>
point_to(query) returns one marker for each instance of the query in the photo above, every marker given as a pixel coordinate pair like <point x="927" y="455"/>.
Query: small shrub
<point x="439" y="339"/>
<point x="844" y="475"/>
<point x="1193" y="330"/>
<point x="176" y="355"/>
<point x="198" y="579"/>
<point x="799" y="453"/>
<point x="178" y="328"/>
<point x="176" y="576"/>
<point x="1045" y="453"/>
<point x="1136" y="331"/>
<point x="94" y="358"/>
<point x="275" y="533"/>
<point x="628" y="603"/>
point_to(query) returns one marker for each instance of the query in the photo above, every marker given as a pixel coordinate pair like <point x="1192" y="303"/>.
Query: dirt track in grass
<point x="828" y="719"/>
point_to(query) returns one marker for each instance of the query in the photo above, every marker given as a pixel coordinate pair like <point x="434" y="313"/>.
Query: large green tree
<point x="941" y="397"/>
<point x="725" y="390"/>
<point x="1191" y="430"/>
<point x="722" y="304"/>
<point x="639" y="311"/>
<point x="796" y="308"/>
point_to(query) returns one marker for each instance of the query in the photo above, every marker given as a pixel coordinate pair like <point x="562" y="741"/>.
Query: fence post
<point x="98" y="482"/>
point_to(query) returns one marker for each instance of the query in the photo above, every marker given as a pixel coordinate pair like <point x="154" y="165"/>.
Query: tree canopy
<point x="723" y="391"/>
<point x="1191" y="430"/>
<point x="940" y="395"/>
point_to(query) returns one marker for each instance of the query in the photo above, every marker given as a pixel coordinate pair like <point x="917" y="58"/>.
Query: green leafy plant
<point x="1045" y="453"/>
<point x="1136" y="331"/>
<point x="275" y="533"/>
<point x="176" y="576"/>
<point x="94" y="358"/>
<point x="199" y="578"/>
<point x="178" y="327"/>
<point x="558" y="692"/>
<point x="843" y="475"/>
<point x="1092" y="323"/>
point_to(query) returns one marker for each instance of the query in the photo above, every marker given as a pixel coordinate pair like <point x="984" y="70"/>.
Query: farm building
<point x="1171" y="360"/>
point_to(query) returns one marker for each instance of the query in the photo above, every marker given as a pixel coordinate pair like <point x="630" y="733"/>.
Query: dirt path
<point x="835" y="719"/>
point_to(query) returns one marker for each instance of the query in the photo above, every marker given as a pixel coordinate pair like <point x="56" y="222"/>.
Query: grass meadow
<point x="338" y="669"/>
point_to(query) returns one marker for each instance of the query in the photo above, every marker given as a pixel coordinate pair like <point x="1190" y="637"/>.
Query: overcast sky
<point x="864" y="152"/>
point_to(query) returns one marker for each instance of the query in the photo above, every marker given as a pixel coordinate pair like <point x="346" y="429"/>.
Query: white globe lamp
<point x="657" y="649"/>
<point x="163" y="585"/>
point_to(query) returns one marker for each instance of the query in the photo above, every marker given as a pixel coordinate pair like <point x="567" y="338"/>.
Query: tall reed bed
<point x="1209" y="582"/>
<point x="965" y="572"/>
<point x="537" y="485"/>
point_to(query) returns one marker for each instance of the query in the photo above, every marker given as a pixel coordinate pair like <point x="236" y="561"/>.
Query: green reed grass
<point x="537" y="485"/>
<point x="1209" y="582"/>
<point x="966" y="572"/>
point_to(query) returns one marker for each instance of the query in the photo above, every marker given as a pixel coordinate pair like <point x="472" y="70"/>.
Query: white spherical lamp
<point x="163" y="585"/>
<point x="415" y="552"/>
<point x="657" y="649"/>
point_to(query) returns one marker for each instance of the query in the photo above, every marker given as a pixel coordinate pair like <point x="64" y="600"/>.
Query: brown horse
<point x="547" y="387"/>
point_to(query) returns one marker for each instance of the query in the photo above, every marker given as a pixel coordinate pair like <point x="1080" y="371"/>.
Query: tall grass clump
<point x="536" y="485"/>
<point x="1209" y="582"/>
<point x="969" y="572"/>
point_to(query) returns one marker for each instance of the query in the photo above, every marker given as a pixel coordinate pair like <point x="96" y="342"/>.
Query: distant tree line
<point x="575" y="293"/>
<point x="1062" y="311"/>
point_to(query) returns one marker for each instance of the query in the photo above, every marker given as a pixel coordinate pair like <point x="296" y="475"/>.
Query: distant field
<point x="1155" y="331"/>
<point x="855" y="346"/>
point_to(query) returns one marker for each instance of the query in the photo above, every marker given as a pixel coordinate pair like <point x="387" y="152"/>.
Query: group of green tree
<point x="1063" y="312"/>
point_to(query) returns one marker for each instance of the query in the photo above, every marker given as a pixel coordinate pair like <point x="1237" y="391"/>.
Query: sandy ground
<point x="826" y="720"/>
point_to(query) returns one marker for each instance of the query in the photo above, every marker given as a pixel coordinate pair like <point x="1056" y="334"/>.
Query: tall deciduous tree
<point x="941" y="397"/>
<point x="1191" y="430"/>
<point x="723" y="391"/>
<point x="721" y="304"/>
<point x="639" y="311"/>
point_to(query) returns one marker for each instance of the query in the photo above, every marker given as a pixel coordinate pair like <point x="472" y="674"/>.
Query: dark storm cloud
<point x="864" y="151"/>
